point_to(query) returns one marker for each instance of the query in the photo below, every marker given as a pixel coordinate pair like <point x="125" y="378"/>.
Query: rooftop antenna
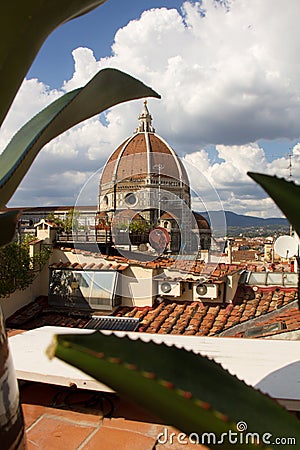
<point x="290" y="166"/>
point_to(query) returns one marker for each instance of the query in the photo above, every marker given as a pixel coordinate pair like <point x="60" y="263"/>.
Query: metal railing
<point x="99" y="236"/>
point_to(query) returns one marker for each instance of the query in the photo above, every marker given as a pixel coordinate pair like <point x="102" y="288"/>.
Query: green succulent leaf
<point x="8" y="222"/>
<point x="108" y="88"/>
<point x="188" y="391"/>
<point x="24" y="26"/>
<point x="286" y="195"/>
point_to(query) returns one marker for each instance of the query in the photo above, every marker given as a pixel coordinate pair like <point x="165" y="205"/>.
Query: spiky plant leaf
<point x="24" y="26"/>
<point x="108" y="88"/>
<point x="8" y="222"/>
<point x="191" y="392"/>
<point x="286" y="195"/>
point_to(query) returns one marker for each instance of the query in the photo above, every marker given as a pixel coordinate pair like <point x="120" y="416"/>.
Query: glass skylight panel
<point x="257" y="278"/>
<point x="271" y="279"/>
<point x="104" y="284"/>
<point x="290" y="279"/>
<point x="82" y="289"/>
<point x="275" y="278"/>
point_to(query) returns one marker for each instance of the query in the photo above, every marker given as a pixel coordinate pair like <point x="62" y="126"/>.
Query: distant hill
<point x="239" y="220"/>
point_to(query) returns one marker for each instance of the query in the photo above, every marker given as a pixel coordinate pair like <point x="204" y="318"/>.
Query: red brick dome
<point x="143" y="155"/>
<point x="201" y="221"/>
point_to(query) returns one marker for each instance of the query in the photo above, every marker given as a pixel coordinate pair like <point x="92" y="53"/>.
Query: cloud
<point x="31" y="98"/>
<point x="227" y="177"/>
<point x="228" y="76"/>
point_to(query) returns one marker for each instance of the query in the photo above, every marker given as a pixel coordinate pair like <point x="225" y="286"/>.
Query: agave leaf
<point x="286" y="195"/>
<point x="107" y="88"/>
<point x="188" y="391"/>
<point x="8" y="222"/>
<point x="24" y="26"/>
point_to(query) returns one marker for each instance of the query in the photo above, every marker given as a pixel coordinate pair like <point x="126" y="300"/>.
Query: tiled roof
<point x="287" y="318"/>
<point x="207" y="319"/>
<point x="244" y="255"/>
<point x="186" y="266"/>
<point x="249" y="309"/>
<point x="39" y="314"/>
<point x="103" y="265"/>
<point x="168" y="216"/>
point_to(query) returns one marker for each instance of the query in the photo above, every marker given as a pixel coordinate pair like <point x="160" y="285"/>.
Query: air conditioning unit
<point x="206" y="291"/>
<point x="171" y="288"/>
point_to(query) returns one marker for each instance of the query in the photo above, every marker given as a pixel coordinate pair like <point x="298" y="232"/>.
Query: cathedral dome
<point x="201" y="221"/>
<point x="143" y="155"/>
<point x="144" y="175"/>
<point x="144" y="187"/>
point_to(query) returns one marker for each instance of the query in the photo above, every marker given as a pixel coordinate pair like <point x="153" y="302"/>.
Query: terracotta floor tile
<point x="113" y="439"/>
<point x="178" y="446"/>
<point x="146" y="428"/>
<point x="132" y="411"/>
<point x="32" y="413"/>
<point x="54" y="434"/>
<point x="172" y="442"/>
<point x="80" y="417"/>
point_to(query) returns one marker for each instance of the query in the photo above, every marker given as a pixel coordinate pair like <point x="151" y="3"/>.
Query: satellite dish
<point x="286" y="246"/>
<point x="201" y="289"/>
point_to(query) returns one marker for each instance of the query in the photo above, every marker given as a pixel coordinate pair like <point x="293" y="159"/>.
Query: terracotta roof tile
<point x="263" y="306"/>
<point x="203" y="319"/>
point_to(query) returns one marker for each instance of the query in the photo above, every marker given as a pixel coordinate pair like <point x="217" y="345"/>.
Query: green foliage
<point x="17" y="268"/>
<point x="69" y="223"/>
<point x="24" y="27"/>
<point x="135" y="226"/>
<point x="139" y="226"/>
<point x="8" y="222"/>
<point x="189" y="391"/>
<point x="286" y="195"/>
<point x="51" y="217"/>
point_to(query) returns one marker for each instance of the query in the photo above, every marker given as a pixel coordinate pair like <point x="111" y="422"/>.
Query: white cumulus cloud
<point x="229" y="77"/>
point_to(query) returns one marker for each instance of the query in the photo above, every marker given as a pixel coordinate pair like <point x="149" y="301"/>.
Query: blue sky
<point x="230" y="85"/>
<point x="95" y="30"/>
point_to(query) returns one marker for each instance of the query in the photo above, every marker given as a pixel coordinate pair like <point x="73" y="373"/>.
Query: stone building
<point x="145" y="177"/>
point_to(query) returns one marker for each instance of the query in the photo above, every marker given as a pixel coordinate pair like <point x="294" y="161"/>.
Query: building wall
<point x="20" y="298"/>
<point x="139" y="287"/>
<point x="231" y="286"/>
<point x="136" y="285"/>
